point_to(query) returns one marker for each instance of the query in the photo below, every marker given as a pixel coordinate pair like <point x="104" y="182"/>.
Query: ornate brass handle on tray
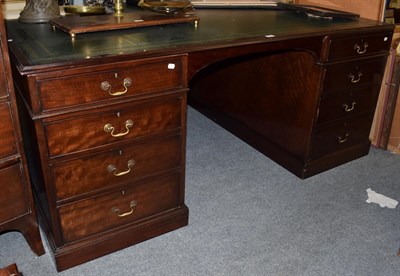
<point x="106" y="86"/>
<point x="112" y="169"/>
<point x="117" y="211"/>
<point x="361" y="50"/>
<point x="347" y="108"/>
<point x="109" y="128"/>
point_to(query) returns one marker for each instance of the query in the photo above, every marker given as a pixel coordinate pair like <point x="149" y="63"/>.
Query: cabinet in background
<point x="17" y="210"/>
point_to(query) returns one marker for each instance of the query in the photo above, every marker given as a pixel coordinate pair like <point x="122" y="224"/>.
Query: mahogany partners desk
<point x="104" y="114"/>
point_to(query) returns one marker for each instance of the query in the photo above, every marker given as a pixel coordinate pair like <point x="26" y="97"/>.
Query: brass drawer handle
<point x="106" y="86"/>
<point x="112" y="169"/>
<point x="343" y="139"/>
<point x="117" y="211"/>
<point x="110" y="128"/>
<point x="353" y="78"/>
<point x="347" y="108"/>
<point x="361" y="50"/>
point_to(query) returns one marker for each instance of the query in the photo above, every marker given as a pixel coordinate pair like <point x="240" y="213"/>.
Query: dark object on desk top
<point x="319" y="12"/>
<point x="182" y="7"/>
<point x="39" y="11"/>
<point x="131" y="2"/>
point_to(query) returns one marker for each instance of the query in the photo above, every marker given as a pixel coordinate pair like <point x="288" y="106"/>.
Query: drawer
<point x="8" y="144"/>
<point x="116" y="209"/>
<point x="13" y="198"/>
<point x="340" y="135"/>
<point x="359" y="46"/>
<point x="339" y="105"/>
<point x="76" y="134"/>
<point x="352" y="74"/>
<point x="109" y="168"/>
<point x="140" y="78"/>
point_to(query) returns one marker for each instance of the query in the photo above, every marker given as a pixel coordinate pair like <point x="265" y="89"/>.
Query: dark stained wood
<point x="339" y="76"/>
<point x="346" y="103"/>
<point x="288" y="103"/>
<point x="8" y="147"/>
<point x="12" y="197"/>
<point x="91" y="173"/>
<point x="273" y="94"/>
<point x="111" y="241"/>
<point x="17" y="209"/>
<point x="85" y="132"/>
<point x="338" y="135"/>
<point x="70" y="153"/>
<point x="54" y="86"/>
<point x="95" y="215"/>
<point x="358" y="46"/>
<point x="201" y="59"/>
<point x="275" y="80"/>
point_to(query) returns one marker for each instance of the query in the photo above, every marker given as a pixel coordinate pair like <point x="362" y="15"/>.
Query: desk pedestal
<point x="282" y="105"/>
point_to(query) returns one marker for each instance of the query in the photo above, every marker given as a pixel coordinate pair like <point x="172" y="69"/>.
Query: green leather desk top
<point x="39" y="44"/>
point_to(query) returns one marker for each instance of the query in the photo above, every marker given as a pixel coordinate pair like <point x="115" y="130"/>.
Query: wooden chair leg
<point x="32" y="236"/>
<point x="11" y="270"/>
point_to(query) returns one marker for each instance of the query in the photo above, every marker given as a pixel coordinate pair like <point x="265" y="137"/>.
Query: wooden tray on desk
<point x="75" y="24"/>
